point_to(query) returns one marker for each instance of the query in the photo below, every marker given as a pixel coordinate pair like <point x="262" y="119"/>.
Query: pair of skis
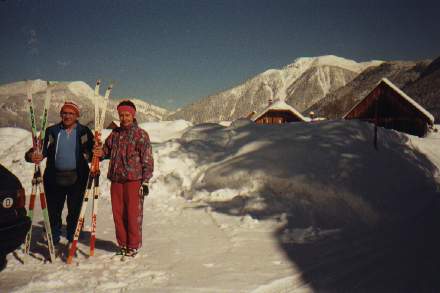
<point x="92" y="187"/>
<point x="37" y="180"/>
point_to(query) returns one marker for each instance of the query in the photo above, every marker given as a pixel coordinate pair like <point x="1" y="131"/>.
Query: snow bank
<point x="165" y="130"/>
<point x="162" y="131"/>
<point x="326" y="174"/>
<point x="11" y="136"/>
<point x="430" y="146"/>
<point x="14" y="143"/>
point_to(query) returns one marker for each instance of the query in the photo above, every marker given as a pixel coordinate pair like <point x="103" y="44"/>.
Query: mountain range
<point x="327" y="85"/>
<point x="301" y="84"/>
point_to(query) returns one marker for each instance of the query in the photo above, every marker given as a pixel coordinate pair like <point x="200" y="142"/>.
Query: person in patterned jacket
<point x="131" y="167"/>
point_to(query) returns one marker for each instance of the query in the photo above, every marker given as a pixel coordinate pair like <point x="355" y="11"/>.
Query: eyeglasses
<point x="67" y="113"/>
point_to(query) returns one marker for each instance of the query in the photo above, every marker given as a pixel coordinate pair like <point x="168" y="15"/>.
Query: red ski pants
<point x="127" y="207"/>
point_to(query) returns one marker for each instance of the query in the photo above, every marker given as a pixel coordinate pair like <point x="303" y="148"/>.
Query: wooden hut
<point x="278" y="113"/>
<point x="389" y="107"/>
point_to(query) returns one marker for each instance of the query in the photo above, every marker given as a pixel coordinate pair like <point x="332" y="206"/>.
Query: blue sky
<point x="171" y="53"/>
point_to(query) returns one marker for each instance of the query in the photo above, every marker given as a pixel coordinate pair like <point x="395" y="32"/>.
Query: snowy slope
<point x="165" y="130"/>
<point x="226" y="203"/>
<point x="426" y="89"/>
<point x="301" y="84"/>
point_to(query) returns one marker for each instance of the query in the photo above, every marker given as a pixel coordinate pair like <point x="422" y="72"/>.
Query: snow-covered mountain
<point x="14" y="107"/>
<point x="301" y="84"/>
<point x="401" y="73"/>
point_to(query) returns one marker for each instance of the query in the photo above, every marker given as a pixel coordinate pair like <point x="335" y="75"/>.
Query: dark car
<point x="14" y="224"/>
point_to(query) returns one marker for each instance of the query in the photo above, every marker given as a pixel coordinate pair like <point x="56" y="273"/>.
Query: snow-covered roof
<point x="403" y="95"/>
<point x="225" y="123"/>
<point x="116" y="122"/>
<point x="280" y="105"/>
<point x="411" y="101"/>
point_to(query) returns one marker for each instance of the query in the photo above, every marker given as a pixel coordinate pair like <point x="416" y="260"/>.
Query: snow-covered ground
<point x="245" y="208"/>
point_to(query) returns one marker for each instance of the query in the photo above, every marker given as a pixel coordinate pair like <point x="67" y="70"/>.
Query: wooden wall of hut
<point x="277" y="117"/>
<point x="388" y="109"/>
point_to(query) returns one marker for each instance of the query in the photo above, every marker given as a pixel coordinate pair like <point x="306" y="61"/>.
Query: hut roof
<point x="401" y="94"/>
<point x="280" y="106"/>
<point x="116" y="122"/>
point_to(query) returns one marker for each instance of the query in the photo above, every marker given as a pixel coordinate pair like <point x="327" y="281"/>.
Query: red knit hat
<point x="70" y="105"/>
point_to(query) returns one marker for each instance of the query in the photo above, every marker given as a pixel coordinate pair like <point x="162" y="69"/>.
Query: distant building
<point x="114" y="124"/>
<point x="313" y="118"/>
<point x="390" y="107"/>
<point x="278" y="113"/>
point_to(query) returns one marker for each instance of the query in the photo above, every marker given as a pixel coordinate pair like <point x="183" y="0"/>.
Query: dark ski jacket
<point x="84" y="138"/>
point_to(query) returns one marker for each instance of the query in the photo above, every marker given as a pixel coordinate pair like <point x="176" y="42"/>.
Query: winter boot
<point x="121" y="251"/>
<point x="131" y="252"/>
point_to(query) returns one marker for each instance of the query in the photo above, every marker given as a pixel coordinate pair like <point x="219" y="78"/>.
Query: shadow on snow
<point x="329" y="176"/>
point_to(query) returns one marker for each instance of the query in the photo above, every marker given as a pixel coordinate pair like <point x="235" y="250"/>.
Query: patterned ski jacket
<point x="130" y="154"/>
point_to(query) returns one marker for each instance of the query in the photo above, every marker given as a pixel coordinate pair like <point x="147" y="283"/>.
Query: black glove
<point x="143" y="191"/>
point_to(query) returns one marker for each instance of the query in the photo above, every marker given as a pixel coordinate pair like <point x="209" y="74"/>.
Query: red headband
<point x="128" y="109"/>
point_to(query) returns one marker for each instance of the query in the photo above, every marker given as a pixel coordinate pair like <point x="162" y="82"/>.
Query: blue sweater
<point x="66" y="150"/>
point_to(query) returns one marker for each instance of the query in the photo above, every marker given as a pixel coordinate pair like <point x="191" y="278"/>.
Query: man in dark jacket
<point x="68" y="149"/>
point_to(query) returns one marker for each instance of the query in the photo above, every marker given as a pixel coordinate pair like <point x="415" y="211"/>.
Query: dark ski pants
<point x="56" y="196"/>
<point x="127" y="207"/>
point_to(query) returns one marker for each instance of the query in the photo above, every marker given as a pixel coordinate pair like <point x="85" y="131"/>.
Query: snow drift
<point x="326" y="174"/>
